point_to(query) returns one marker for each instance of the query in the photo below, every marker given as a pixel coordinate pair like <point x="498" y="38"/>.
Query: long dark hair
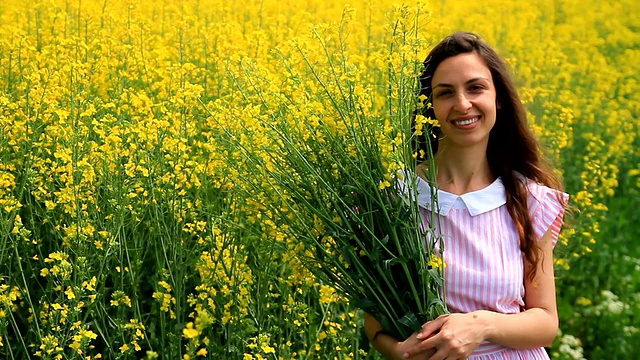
<point x="512" y="147"/>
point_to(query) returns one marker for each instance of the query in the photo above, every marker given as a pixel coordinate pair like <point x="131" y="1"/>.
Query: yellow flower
<point x="70" y="294"/>
<point x="89" y="334"/>
<point x="583" y="301"/>
<point x="384" y="184"/>
<point x="189" y="332"/>
<point x="268" y="349"/>
<point x="165" y="285"/>
<point x="436" y="262"/>
<point x="202" y="352"/>
<point x="50" y="205"/>
<point x="75" y="345"/>
<point x="327" y="295"/>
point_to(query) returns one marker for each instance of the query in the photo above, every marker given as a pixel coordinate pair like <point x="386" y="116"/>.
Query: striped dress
<point x="485" y="267"/>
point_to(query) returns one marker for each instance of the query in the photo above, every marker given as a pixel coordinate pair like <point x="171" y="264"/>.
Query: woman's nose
<point x="462" y="104"/>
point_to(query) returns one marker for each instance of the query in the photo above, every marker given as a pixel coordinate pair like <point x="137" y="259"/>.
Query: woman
<point x="500" y="211"/>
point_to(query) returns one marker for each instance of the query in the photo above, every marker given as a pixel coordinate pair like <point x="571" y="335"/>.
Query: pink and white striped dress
<point x="485" y="267"/>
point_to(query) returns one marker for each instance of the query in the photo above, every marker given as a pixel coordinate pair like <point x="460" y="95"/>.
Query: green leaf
<point x="390" y="262"/>
<point x="365" y="304"/>
<point x="411" y="321"/>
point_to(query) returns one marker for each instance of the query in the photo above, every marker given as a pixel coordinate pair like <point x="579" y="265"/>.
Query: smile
<point x="466" y="121"/>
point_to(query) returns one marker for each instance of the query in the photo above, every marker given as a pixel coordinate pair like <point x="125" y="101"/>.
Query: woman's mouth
<point x="466" y="122"/>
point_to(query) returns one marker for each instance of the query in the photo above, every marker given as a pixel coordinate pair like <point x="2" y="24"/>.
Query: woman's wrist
<point x="485" y="320"/>
<point x="378" y="333"/>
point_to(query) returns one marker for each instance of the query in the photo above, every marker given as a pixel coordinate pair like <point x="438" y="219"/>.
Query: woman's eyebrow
<point x="445" y="85"/>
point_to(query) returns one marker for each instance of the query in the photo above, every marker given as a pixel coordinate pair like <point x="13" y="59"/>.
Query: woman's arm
<point x="538" y="325"/>
<point x="388" y="346"/>
<point x="384" y="343"/>
<point x="456" y="336"/>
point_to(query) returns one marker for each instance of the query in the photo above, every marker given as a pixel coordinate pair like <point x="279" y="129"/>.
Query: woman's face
<point x="464" y="101"/>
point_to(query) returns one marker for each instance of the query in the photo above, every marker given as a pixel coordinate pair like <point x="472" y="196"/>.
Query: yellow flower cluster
<point x="10" y="298"/>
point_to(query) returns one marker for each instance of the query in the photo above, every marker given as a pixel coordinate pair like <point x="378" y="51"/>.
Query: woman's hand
<point x="450" y="337"/>
<point x="412" y="343"/>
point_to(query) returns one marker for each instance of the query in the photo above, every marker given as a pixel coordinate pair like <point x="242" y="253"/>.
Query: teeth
<point x="467" y="122"/>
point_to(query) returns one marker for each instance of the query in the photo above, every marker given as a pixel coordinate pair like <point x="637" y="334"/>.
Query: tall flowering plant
<point x="330" y="144"/>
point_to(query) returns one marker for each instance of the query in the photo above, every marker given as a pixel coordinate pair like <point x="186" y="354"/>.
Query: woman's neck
<point x="462" y="170"/>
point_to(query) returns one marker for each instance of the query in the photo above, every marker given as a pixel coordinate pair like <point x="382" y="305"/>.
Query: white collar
<point x="477" y="202"/>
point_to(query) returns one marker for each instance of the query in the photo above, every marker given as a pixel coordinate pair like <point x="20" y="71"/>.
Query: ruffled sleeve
<point x="547" y="208"/>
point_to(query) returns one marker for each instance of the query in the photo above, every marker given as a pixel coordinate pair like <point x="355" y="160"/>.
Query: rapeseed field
<point x="128" y="229"/>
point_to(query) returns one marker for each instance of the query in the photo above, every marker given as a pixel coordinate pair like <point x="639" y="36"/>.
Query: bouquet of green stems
<point x="362" y="232"/>
<point x="341" y="175"/>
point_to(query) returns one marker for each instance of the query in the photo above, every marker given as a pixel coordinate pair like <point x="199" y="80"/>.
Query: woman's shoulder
<point x="541" y="195"/>
<point x="546" y="206"/>
<point x="540" y="191"/>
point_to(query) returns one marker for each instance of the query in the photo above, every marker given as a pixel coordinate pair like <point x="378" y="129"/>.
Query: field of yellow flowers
<point x="126" y="232"/>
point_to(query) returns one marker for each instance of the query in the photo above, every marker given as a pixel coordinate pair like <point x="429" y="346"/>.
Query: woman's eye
<point x="476" y="87"/>
<point x="443" y="93"/>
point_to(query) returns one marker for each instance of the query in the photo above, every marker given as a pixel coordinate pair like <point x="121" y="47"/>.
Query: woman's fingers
<point x="431" y="327"/>
<point x="428" y="345"/>
<point x="442" y="340"/>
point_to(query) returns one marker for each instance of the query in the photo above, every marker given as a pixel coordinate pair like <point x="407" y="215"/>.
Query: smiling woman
<point x="499" y="212"/>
